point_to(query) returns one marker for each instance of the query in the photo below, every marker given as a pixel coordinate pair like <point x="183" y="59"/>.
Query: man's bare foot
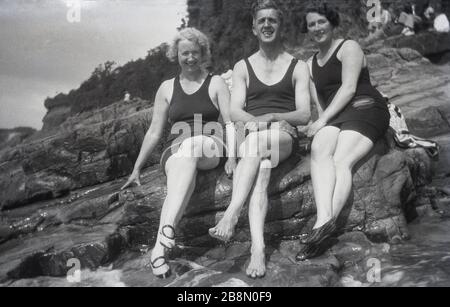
<point x="257" y="265"/>
<point x="224" y="230"/>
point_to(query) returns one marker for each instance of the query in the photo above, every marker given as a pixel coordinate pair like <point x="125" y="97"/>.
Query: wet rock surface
<point x="353" y="261"/>
<point x="110" y="232"/>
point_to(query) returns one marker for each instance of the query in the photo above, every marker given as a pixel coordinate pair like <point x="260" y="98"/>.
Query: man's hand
<point x="134" y="178"/>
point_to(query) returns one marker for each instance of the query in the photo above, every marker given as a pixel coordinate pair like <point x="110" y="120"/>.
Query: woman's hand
<point x="230" y="167"/>
<point x="316" y="127"/>
<point x="134" y="178"/>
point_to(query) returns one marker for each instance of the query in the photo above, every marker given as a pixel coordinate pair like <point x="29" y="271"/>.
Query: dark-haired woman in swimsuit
<point x="353" y="115"/>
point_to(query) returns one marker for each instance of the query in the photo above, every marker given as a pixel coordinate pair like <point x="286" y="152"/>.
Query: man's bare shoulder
<point x="301" y="66"/>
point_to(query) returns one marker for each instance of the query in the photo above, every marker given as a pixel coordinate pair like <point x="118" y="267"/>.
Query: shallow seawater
<point x="424" y="261"/>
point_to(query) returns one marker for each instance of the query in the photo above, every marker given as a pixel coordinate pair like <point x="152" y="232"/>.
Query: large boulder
<point x="429" y="44"/>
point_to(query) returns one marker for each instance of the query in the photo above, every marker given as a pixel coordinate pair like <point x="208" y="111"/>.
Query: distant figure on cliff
<point x="428" y="16"/>
<point x="353" y="116"/>
<point x="271" y="97"/>
<point x="127" y="97"/>
<point x="192" y="103"/>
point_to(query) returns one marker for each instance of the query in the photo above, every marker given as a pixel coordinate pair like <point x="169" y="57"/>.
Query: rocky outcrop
<point x="13" y="137"/>
<point x="430" y="44"/>
<point x="96" y="147"/>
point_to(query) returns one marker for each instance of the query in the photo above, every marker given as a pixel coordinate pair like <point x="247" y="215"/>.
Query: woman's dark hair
<point x="323" y="9"/>
<point x="259" y="5"/>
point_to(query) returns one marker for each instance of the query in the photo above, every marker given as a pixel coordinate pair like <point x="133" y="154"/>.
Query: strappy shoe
<point x="319" y="234"/>
<point x="161" y="270"/>
<point x="160" y="267"/>
<point x="167" y="240"/>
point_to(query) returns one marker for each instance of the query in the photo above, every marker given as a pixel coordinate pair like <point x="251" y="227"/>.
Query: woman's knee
<point x="343" y="163"/>
<point x="321" y="149"/>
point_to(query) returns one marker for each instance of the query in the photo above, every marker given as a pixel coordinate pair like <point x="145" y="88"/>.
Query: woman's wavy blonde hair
<point x="195" y="36"/>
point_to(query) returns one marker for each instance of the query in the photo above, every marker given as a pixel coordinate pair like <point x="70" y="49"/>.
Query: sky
<point x="51" y="46"/>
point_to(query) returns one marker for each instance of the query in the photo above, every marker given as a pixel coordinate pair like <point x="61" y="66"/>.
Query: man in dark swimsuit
<point x="270" y="109"/>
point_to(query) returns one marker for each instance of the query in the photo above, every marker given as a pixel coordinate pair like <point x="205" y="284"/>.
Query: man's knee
<point x="254" y="146"/>
<point x="265" y="166"/>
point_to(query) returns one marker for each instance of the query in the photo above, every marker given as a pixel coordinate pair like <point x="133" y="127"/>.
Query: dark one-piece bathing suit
<point x="367" y="113"/>
<point x="263" y="99"/>
<point x="184" y="117"/>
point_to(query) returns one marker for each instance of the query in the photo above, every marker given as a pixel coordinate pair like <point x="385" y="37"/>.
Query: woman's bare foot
<point x="224" y="230"/>
<point x="257" y="265"/>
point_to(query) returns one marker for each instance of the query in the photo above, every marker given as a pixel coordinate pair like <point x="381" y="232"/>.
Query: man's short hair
<point x="259" y="5"/>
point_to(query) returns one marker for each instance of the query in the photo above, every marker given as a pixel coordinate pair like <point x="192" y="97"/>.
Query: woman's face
<point x="319" y="28"/>
<point x="189" y="56"/>
<point x="266" y="26"/>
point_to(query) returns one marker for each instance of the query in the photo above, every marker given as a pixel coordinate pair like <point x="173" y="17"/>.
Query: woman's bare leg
<point x="323" y="172"/>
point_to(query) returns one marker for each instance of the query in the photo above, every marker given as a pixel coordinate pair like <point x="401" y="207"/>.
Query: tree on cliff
<point x="107" y="83"/>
